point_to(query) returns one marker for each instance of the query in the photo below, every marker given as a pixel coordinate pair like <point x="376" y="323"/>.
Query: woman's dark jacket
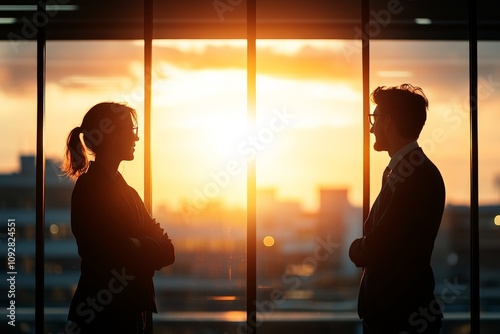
<point x="116" y="276"/>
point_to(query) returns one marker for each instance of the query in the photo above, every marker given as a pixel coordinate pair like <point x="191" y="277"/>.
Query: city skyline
<point x="302" y="254"/>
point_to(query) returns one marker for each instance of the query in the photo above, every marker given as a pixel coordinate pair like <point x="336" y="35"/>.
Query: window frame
<point x="251" y="25"/>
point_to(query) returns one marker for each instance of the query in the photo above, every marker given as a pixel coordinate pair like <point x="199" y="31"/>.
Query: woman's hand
<point x="157" y="232"/>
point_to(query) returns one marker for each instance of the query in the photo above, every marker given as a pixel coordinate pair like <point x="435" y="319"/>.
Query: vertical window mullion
<point x="148" y="60"/>
<point x="40" y="172"/>
<point x="251" y="171"/>
<point x="365" y="59"/>
<point x="365" y="43"/>
<point x="474" y="195"/>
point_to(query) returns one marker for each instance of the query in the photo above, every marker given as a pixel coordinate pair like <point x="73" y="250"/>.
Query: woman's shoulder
<point x="92" y="178"/>
<point x="84" y="185"/>
<point x="85" y="178"/>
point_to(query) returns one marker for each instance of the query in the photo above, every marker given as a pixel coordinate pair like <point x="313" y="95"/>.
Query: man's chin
<point x="379" y="148"/>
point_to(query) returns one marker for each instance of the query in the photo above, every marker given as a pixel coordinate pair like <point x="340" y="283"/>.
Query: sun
<point x="224" y="136"/>
<point x="209" y="104"/>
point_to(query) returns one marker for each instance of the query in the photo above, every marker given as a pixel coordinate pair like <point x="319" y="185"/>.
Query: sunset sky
<point x="309" y="121"/>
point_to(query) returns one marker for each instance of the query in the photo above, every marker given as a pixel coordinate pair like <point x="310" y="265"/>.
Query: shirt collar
<point x="401" y="153"/>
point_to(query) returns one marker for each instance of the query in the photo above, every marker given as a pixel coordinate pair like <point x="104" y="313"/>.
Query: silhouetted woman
<point x="119" y="243"/>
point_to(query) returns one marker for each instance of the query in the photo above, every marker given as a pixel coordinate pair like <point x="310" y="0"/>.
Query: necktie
<point x="376" y="204"/>
<point x="387" y="172"/>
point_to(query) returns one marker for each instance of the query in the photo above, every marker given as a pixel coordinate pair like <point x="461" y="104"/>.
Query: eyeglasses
<point x="135" y="130"/>
<point x="371" y="117"/>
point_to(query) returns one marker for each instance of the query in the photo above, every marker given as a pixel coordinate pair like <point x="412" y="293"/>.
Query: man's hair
<point x="406" y="104"/>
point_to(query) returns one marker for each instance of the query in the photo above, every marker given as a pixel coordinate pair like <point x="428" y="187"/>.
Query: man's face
<point x="379" y="131"/>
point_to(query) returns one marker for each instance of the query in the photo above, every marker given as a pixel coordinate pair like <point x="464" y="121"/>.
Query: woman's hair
<point x="101" y="120"/>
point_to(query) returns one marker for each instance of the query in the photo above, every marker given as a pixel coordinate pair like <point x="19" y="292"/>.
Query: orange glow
<point x="303" y="269"/>
<point x="199" y="115"/>
<point x="232" y="316"/>
<point x="223" y="298"/>
<point x="268" y="241"/>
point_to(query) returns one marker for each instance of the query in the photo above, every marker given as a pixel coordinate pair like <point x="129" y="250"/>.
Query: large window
<point x="80" y="74"/>
<point x="199" y="180"/>
<point x="441" y="69"/>
<point x="309" y="178"/>
<point x="489" y="181"/>
<point x="17" y="194"/>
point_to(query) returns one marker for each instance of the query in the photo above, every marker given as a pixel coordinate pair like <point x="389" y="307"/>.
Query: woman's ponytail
<point x="80" y="148"/>
<point x="75" y="159"/>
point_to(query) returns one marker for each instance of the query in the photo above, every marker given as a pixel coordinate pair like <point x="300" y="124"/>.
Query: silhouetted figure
<point x="120" y="245"/>
<point x="397" y="287"/>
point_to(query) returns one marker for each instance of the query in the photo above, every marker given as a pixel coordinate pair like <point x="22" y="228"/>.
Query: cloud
<point x="308" y="62"/>
<point x="109" y="60"/>
<point x="80" y="64"/>
<point x="100" y="64"/>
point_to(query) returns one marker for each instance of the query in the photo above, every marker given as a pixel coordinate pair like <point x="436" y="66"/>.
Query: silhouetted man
<point x="397" y="286"/>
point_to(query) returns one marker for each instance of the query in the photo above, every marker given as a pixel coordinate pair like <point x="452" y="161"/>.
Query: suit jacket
<point x="116" y="276"/>
<point x="399" y="233"/>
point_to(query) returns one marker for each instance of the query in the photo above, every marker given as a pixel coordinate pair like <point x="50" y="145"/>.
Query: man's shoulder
<point x="428" y="173"/>
<point x="415" y="166"/>
<point x="418" y="160"/>
<point x="428" y="165"/>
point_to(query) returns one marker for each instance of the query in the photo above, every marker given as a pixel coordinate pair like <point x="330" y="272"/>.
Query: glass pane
<point x="309" y="178"/>
<point x="441" y="70"/>
<point x="489" y="184"/>
<point x="199" y="181"/>
<point x="17" y="184"/>
<point x="80" y="75"/>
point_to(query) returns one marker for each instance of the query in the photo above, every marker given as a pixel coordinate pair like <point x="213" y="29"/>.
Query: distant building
<point x="18" y="189"/>
<point x="18" y="201"/>
<point x="456" y="223"/>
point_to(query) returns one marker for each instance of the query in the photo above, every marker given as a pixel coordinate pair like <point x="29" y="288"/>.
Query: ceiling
<point x="339" y="19"/>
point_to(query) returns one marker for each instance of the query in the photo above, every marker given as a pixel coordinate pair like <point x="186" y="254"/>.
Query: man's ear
<point x="387" y="122"/>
